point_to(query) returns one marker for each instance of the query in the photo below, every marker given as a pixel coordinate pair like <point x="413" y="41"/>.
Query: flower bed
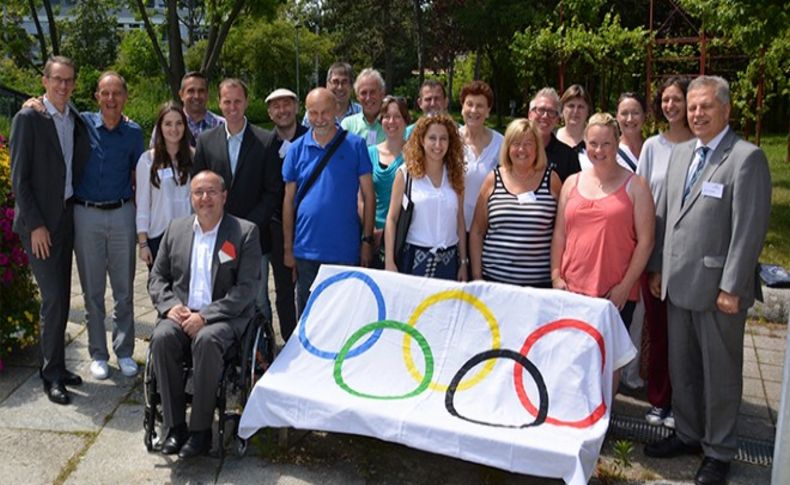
<point x="19" y="301"/>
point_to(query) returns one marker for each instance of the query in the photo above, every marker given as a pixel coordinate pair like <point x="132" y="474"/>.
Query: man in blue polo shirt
<point x="321" y="224"/>
<point x="104" y="225"/>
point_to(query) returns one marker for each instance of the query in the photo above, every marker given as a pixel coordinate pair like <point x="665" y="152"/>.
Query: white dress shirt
<point x="200" y="266"/>
<point x="64" y="126"/>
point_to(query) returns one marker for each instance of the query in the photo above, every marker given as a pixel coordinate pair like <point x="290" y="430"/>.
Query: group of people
<point x="675" y="222"/>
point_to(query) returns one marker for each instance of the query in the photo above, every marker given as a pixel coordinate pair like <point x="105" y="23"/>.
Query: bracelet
<point x="143" y="244"/>
<point x="464" y="261"/>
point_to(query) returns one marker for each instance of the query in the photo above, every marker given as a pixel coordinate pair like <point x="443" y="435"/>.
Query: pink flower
<point x="18" y="256"/>
<point x="3" y="259"/>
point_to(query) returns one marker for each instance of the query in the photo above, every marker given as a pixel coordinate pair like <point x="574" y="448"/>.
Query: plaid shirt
<point x="209" y="121"/>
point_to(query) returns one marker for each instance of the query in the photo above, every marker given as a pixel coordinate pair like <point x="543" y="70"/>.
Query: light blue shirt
<point x="64" y="126"/>
<point x="234" y="145"/>
<point x="712" y="148"/>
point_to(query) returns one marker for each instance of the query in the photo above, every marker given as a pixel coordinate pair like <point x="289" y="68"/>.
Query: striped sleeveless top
<point x="517" y="246"/>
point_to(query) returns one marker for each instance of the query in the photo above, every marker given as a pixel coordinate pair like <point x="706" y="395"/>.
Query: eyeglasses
<point x="210" y="193"/>
<point x="67" y="81"/>
<point x="339" y="82"/>
<point x="548" y="112"/>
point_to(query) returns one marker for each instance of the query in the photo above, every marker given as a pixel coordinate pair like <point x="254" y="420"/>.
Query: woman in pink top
<point x="605" y="224"/>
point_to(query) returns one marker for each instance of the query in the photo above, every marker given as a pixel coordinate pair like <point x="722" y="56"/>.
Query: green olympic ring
<point x="382" y="324"/>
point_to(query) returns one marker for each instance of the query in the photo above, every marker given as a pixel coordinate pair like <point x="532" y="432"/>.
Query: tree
<point x="220" y="15"/>
<point x="90" y="37"/>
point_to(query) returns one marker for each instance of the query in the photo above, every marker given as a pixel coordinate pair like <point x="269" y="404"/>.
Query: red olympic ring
<point x="518" y="371"/>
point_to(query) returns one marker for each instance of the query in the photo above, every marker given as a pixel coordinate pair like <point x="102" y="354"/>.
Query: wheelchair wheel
<point x="152" y="415"/>
<point x="261" y="354"/>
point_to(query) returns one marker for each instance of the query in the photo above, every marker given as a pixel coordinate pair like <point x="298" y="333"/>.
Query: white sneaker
<point x="128" y="366"/>
<point x="669" y="421"/>
<point x="100" y="370"/>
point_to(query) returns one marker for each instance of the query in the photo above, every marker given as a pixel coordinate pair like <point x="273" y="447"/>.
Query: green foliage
<point x="24" y="79"/>
<point x="90" y="38"/>
<point x="136" y="58"/>
<point x="777" y="242"/>
<point x="145" y="98"/>
<point x="15" y="43"/>
<point x="85" y="87"/>
<point x="264" y="54"/>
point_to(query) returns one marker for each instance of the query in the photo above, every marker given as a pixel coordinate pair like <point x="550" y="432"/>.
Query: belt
<point x="115" y="204"/>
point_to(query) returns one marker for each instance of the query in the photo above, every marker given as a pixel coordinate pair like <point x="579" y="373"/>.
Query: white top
<point x="633" y="158"/>
<point x="654" y="162"/>
<point x="434" y="222"/>
<point x="200" y="266"/>
<point x="157" y="207"/>
<point x="476" y="170"/>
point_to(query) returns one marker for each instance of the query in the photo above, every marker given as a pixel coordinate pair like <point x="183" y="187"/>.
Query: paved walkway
<point x="98" y="438"/>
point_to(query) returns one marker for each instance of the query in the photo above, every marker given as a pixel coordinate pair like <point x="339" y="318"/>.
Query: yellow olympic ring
<point x="481" y="307"/>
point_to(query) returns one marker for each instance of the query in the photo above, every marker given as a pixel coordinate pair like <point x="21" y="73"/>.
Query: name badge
<point x="372" y="137"/>
<point x="526" y="197"/>
<point x="165" y="173"/>
<point x="712" y="189"/>
<point x="284" y="148"/>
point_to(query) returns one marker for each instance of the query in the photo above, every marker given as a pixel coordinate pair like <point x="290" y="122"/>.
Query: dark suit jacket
<point x="38" y="173"/>
<point x="710" y="243"/>
<point x="256" y="188"/>
<point x="234" y="283"/>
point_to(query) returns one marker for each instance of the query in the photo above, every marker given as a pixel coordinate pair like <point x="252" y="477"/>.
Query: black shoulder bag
<point x="300" y="194"/>
<point x="404" y="221"/>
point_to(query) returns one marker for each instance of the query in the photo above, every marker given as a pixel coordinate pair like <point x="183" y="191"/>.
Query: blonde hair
<point x="516" y="129"/>
<point x="414" y="152"/>
<point x="603" y="119"/>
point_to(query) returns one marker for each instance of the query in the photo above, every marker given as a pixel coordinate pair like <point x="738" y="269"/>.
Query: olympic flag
<point x="515" y="378"/>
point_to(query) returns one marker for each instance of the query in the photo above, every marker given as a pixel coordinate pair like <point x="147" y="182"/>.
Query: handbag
<point x="404" y="221"/>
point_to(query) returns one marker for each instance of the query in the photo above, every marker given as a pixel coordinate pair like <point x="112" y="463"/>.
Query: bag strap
<point x="318" y="169"/>
<point x="625" y="157"/>
<point x="408" y="185"/>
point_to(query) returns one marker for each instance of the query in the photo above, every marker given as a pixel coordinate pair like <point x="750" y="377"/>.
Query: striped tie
<point x="702" y="154"/>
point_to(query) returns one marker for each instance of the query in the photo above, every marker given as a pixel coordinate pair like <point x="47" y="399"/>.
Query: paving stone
<point x="753" y="387"/>
<point x="771" y="373"/>
<point x="22" y="459"/>
<point x="761" y="428"/>
<point x="29" y="408"/>
<point x="256" y="470"/>
<point x="755" y="407"/>
<point x="773" y="357"/>
<point x="118" y="455"/>
<point x="749" y="354"/>
<point x="751" y="369"/>
<point x="12" y="377"/>
<point x="773" y="390"/>
<point x="770" y="343"/>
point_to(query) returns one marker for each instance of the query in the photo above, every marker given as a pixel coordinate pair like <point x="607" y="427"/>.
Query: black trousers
<point x="283" y="283"/>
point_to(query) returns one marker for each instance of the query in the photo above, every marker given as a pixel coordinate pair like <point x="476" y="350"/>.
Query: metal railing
<point x="11" y="101"/>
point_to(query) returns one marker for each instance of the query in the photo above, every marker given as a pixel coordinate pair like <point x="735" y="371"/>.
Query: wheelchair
<point x="248" y="359"/>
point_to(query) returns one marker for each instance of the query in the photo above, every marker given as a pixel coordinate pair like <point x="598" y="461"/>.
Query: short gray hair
<point x="720" y="84"/>
<point x="546" y="92"/>
<point x="370" y="72"/>
<point x="340" y="67"/>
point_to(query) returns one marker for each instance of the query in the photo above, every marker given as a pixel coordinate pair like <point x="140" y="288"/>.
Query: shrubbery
<point x="19" y="303"/>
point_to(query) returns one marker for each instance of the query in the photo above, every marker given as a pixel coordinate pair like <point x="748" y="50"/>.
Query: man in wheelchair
<point x="203" y="285"/>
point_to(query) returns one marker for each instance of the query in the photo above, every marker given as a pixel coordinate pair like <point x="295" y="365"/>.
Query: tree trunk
<point x="149" y="29"/>
<point x="389" y="64"/>
<point x="476" y="75"/>
<point x="213" y="50"/>
<point x="450" y="76"/>
<point x="53" y="29"/>
<point x="420" y="40"/>
<point x="42" y="43"/>
<point x="176" y="49"/>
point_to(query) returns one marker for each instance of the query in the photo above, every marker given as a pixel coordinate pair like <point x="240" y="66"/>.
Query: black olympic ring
<point x="543" y="393"/>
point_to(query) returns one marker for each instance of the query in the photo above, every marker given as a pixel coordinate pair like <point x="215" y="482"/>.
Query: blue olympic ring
<point x="314" y="296"/>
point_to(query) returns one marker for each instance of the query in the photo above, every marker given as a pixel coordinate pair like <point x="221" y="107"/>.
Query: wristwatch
<point x="368" y="239"/>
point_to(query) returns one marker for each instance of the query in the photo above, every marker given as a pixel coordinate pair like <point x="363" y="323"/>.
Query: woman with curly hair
<point x="163" y="180"/>
<point x="434" y="164"/>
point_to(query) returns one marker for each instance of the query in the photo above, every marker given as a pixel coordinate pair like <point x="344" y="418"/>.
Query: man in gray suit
<point x="711" y="223"/>
<point x="203" y="285"/>
<point x="48" y="154"/>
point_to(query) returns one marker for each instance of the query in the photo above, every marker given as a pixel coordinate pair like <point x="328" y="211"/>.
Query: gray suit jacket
<point x="709" y="243"/>
<point x="38" y="172"/>
<point x="234" y="283"/>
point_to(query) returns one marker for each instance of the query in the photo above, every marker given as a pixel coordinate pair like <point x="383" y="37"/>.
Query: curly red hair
<point x="414" y="152"/>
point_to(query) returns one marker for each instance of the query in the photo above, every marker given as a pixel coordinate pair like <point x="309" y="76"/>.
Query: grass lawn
<point x="777" y="244"/>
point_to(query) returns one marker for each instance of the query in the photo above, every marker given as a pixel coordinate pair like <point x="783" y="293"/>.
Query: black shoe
<point x="56" y="392"/>
<point x="670" y="447"/>
<point x="71" y="379"/>
<point x="712" y="472"/>
<point x="175" y="439"/>
<point x="199" y="443"/>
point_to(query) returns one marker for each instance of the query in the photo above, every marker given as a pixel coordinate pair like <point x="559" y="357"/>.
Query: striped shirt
<point x="517" y="246"/>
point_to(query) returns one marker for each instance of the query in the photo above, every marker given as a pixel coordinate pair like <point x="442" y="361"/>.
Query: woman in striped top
<point x="510" y="238"/>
